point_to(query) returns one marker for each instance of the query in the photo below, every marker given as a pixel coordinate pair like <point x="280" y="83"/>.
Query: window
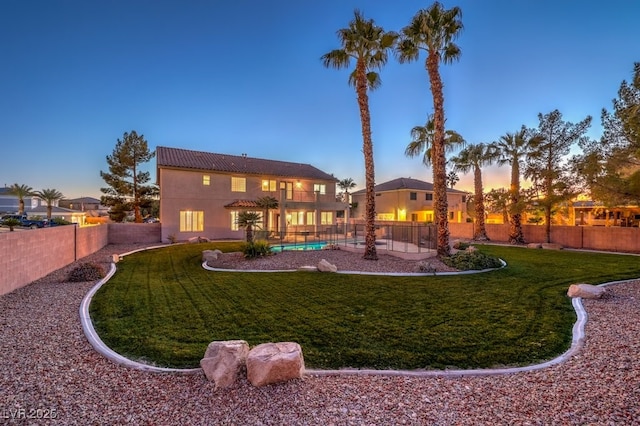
<point x="320" y="187"/>
<point x="206" y="180"/>
<point x="311" y="218"/>
<point x="295" y="218"/>
<point x="238" y="184"/>
<point x="385" y="216"/>
<point x="326" y="218"/>
<point x="234" y="220"/>
<point x="428" y="196"/>
<point x="451" y="215"/>
<point x="413" y="195"/>
<point x="268" y="185"/>
<point x="191" y="221"/>
<point x="414" y="217"/>
<point x="289" y="193"/>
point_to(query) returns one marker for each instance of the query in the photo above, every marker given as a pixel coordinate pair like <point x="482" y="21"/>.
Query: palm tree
<point x="433" y="30"/>
<point x="249" y="220"/>
<point x="367" y="44"/>
<point x="345" y="185"/>
<point x="20" y="191"/>
<point x="452" y="179"/>
<point x="422" y="142"/>
<point x="511" y="149"/>
<point x="50" y="196"/>
<point x="267" y="203"/>
<point x="474" y="157"/>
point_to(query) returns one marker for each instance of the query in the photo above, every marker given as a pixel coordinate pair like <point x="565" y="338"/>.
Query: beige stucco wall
<point x="31" y="254"/>
<point x="184" y="190"/>
<point x="391" y="202"/>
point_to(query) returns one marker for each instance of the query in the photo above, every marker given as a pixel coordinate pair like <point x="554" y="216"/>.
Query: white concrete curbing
<point x="576" y="344"/>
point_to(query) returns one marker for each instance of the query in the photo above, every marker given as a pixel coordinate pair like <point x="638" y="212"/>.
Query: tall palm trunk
<point x="438" y="158"/>
<point x="370" y="252"/>
<point x="516" y="236"/>
<point x="481" y="231"/>
<point x="249" y="233"/>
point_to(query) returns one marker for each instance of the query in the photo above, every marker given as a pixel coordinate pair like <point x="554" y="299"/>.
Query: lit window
<point x="238" y="184"/>
<point x="289" y="193"/>
<point x="234" y="220"/>
<point x="268" y="185"/>
<point x="413" y="195"/>
<point x="326" y="218"/>
<point x="320" y="187"/>
<point x="206" y="180"/>
<point x="296" y="218"/>
<point x="191" y="221"/>
<point x="311" y="218"/>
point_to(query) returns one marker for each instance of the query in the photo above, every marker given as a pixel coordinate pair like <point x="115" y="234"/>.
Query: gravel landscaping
<point x="47" y="368"/>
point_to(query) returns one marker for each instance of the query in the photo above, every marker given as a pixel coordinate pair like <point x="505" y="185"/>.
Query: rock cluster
<point x="225" y="362"/>
<point x="586" y="291"/>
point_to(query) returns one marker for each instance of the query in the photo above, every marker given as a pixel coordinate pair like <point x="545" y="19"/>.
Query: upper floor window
<point x="320" y="187"/>
<point x="238" y="184"/>
<point x="268" y="185"/>
<point x="289" y="192"/>
<point x="413" y="195"/>
<point x="206" y="180"/>
<point x="428" y="196"/>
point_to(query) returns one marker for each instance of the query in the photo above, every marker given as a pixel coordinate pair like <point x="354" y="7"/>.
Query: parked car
<point x="25" y="221"/>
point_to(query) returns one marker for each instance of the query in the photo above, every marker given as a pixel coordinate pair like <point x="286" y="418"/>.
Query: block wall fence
<point x="26" y="256"/>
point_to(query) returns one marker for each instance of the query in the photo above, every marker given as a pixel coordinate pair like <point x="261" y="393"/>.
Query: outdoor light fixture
<point x="298" y="184"/>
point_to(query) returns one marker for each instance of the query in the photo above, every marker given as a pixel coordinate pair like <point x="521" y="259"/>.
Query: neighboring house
<point x="202" y="193"/>
<point x="587" y="212"/>
<point x="34" y="206"/>
<point x="9" y="203"/>
<point x="406" y="199"/>
<point x="89" y="205"/>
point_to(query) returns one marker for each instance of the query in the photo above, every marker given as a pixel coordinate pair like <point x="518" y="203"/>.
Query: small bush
<point x="426" y="267"/>
<point x="257" y="248"/>
<point x="86" y="272"/>
<point x="471" y="260"/>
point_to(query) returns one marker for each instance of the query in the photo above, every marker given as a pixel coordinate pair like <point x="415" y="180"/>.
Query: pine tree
<point x="127" y="184"/>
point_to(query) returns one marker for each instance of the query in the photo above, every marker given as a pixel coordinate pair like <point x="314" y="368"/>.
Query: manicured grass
<point x="162" y="307"/>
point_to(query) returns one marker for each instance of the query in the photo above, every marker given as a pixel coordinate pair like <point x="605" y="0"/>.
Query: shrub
<point x="471" y="260"/>
<point x="86" y="272"/>
<point x="426" y="267"/>
<point x="257" y="248"/>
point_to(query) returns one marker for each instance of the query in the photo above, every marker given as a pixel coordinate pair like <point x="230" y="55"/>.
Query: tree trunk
<point x="249" y="234"/>
<point x="547" y="222"/>
<point x="481" y="231"/>
<point x="438" y="159"/>
<point x="516" y="236"/>
<point x="370" y="252"/>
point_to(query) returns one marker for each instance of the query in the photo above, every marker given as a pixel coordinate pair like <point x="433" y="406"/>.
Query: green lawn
<point x="162" y="307"/>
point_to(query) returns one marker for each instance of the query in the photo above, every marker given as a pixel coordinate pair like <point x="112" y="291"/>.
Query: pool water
<point x="299" y="246"/>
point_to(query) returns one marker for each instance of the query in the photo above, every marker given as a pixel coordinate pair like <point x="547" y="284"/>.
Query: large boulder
<point x="586" y="291"/>
<point x="224" y="361"/>
<point x="325" y="266"/>
<point x="210" y="255"/>
<point x="551" y="246"/>
<point x="274" y="362"/>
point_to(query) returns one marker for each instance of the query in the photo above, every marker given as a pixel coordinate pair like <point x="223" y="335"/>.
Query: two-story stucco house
<point x="202" y="193"/>
<point x="406" y="199"/>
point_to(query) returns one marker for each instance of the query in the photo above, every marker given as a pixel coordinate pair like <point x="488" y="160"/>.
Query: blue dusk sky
<point x="246" y="77"/>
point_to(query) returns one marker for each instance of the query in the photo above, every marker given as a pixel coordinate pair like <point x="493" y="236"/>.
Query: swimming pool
<point x="299" y="246"/>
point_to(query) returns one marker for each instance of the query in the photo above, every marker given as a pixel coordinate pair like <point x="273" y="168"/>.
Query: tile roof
<point x="198" y="160"/>
<point x="243" y="204"/>
<point x="406" y="183"/>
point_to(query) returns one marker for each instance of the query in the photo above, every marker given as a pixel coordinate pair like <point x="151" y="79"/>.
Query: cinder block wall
<point x="123" y="233"/>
